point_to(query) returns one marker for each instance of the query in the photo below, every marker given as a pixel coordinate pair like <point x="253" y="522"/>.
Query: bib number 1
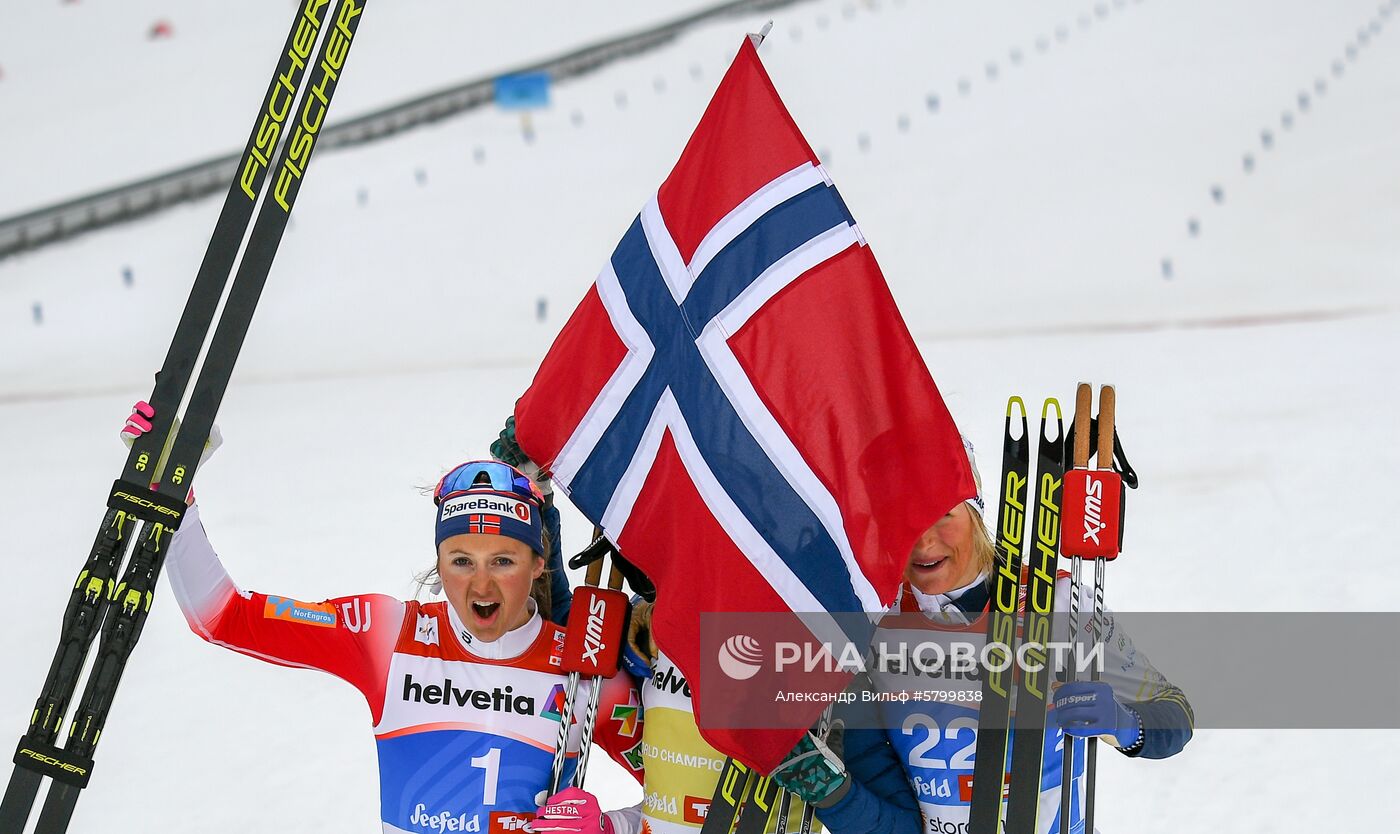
<point x="491" y="763"/>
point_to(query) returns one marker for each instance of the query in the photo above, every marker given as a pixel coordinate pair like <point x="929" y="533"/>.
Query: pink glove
<point x="138" y="423"/>
<point x="572" y="811"/>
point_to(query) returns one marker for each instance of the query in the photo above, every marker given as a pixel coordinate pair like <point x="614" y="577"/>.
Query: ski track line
<point x="1280" y="319"/>
<point x="1243" y="320"/>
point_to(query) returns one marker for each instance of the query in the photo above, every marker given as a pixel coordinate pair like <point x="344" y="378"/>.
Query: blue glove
<point x="1088" y="708"/>
<point x="506" y="449"/>
<point x="814" y="771"/>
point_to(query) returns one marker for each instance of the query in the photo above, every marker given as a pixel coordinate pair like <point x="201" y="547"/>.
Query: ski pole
<point x="606" y="666"/>
<point x="591" y="579"/>
<point x="1083" y="402"/>
<point x="597" y="626"/>
<point x="1092" y="504"/>
<point x="823" y="732"/>
<point x="1108" y="407"/>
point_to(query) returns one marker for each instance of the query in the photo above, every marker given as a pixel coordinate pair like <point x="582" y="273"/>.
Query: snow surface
<point x="149" y="105"/>
<point x="1023" y="225"/>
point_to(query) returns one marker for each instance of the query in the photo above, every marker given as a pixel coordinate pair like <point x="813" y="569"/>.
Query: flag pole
<point x="762" y="33"/>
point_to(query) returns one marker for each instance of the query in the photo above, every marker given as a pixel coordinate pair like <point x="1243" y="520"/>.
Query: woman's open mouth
<point x="930" y="564"/>
<point x="485" y="612"/>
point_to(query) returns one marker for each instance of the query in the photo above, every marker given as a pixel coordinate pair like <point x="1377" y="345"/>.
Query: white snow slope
<point x="1025" y="224"/>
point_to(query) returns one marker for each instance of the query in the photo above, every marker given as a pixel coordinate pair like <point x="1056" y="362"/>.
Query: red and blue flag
<point x="736" y="401"/>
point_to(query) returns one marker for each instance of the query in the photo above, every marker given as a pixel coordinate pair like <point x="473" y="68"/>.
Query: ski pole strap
<point x="1121" y="465"/>
<point x="640" y="583"/>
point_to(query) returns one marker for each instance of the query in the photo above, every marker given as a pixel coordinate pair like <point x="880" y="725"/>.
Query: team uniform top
<point x="682" y="769"/>
<point x="935" y="739"/>
<point x="465" y="729"/>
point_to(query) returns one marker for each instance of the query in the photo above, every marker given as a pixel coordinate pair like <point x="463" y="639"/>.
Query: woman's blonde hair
<point x="539" y="588"/>
<point x="982" y="548"/>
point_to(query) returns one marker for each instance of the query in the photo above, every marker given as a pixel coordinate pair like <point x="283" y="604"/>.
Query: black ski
<point x="784" y="811"/>
<point x="767" y="795"/>
<point x="1028" y="730"/>
<point x="735" y="782"/>
<point x="994" y="715"/>
<point x="263" y="242"/>
<point x="36" y="755"/>
<point x="120" y="609"/>
<point x="758" y="808"/>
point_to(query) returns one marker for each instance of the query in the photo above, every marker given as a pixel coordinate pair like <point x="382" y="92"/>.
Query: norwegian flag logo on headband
<point x="737" y="402"/>
<point x="485" y="511"/>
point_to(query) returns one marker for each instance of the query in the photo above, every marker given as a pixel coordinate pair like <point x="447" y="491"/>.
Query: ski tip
<point x="1015" y="404"/>
<point x="1051" y="402"/>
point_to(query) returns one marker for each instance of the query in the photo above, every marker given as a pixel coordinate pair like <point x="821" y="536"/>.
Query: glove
<point x="506" y="449"/>
<point x="1089" y="708"/>
<point x="572" y="810"/>
<point x="813" y="771"/>
<point x="639" y="652"/>
<point x="140" y="422"/>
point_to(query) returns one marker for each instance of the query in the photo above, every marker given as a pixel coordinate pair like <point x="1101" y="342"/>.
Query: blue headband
<point x="486" y="510"/>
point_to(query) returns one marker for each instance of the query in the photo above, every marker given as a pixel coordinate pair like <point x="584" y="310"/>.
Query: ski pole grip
<point x="1108" y="406"/>
<point x="597" y="627"/>
<point x="1091" y="517"/>
<point x="1083" y="401"/>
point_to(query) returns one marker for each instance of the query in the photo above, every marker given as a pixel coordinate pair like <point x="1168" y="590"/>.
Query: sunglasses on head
<point x="498" y="476"/>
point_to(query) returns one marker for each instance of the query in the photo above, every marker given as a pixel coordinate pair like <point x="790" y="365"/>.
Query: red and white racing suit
<point x="465" y="729"/>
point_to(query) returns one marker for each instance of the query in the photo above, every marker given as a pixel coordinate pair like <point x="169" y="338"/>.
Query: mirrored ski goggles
<point x="475" y="474"/>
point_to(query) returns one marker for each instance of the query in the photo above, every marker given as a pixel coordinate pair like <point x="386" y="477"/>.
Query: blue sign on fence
<point x="526" y="91"/>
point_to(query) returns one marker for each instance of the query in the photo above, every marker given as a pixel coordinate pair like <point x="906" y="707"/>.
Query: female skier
<point x="946" y="592"/>
<point x="464" y="693"/>
<point x="681" y="769"/>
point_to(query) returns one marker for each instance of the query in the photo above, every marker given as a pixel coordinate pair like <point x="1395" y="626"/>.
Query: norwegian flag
<point x="484" y="524"/>
<point x="737" y="403"/>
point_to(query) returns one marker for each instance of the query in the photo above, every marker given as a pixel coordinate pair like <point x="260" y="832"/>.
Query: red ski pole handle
<point x="597" y="627"/>
<point x="1093" y="498"/>
<point x="1092" y="509"/>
